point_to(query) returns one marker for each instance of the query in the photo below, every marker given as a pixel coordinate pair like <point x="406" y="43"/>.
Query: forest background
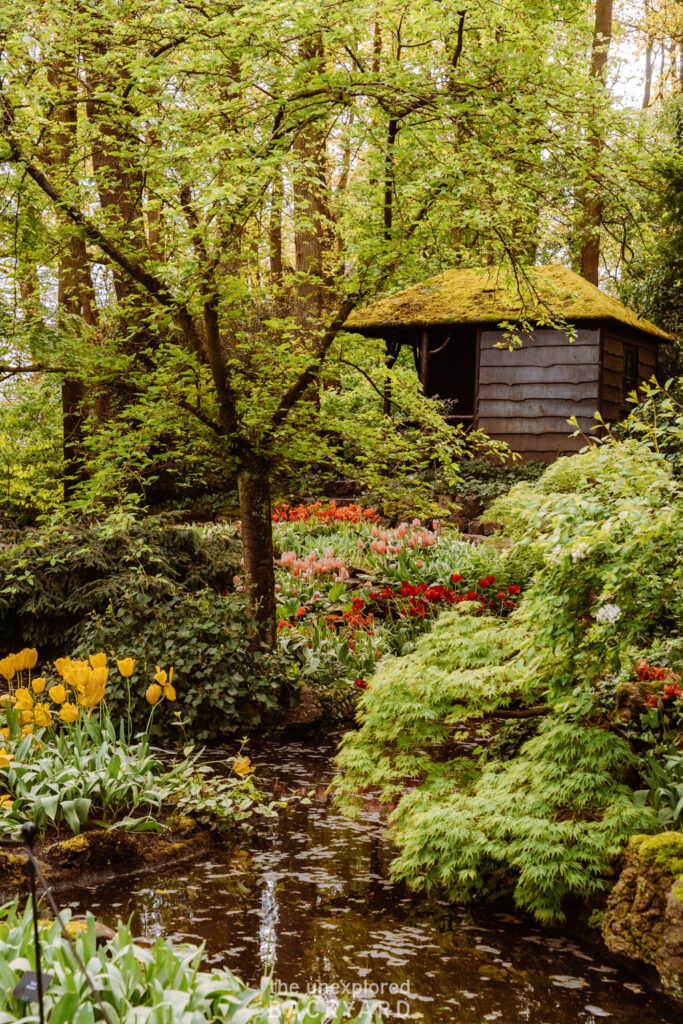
<point x="196" y="196"/>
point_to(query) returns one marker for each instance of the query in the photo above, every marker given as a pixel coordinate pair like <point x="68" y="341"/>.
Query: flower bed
<point x="65" y="765"/>
<point x="351" y="592"/>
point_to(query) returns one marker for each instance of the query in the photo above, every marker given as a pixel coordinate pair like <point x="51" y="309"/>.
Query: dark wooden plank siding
<point x="612" y="404"/>
<point x="526" y="395"/>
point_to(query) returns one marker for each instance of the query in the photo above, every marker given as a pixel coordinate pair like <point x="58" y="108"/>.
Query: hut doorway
<point x="450" y="370"/>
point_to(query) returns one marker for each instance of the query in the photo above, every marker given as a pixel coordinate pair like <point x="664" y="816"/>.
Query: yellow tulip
<point x="125" y="667"/>
<point x="153" y="692"/>
<point x="58" y="693"/>
<point x="98" y="660"/>
<point x="8" y="666"/>
<point x="30" y="657"/>
<point x="99" y="676"/>
<point x="161" y="676"/>
<point x="4" y="733"/>
<point x="63" y="665"/>
<point x="38" y="684"/>
<point x="42" y="715"/>
<point x="69" y="713"/>
<point x="93" y="691"/>
<point x="24" y="700"/>
<point x="28" y="728"/>
<point x="81" y="674"/>
<point x="6" y="800"/>
<point x="242" y="766"/>
<point x="26" y="717"/>
<point x="5" y="758"/>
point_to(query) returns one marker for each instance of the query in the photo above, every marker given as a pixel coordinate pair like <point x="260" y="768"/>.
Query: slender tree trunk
<point x="75" y="295"/>
<point x="275" y="229"/>
<point x="313" y="237"/>
<point x="592" y="200"/>
<point x="253" y="481"/>
<point x="647" y="91"/>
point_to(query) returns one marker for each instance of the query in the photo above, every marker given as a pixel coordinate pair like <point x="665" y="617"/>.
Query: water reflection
<point x="310" y="898"/>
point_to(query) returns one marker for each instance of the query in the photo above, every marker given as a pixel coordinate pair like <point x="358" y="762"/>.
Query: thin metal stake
<point x="28" y="834"/>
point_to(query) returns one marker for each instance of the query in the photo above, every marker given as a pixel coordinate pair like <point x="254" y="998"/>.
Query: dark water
<point x="309" y="899"/>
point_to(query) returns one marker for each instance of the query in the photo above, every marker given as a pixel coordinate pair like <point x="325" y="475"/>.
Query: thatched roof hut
<point x="583" y="353"/>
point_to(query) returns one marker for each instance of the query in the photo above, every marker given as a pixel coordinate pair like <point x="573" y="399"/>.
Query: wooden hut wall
<point x="525" y="396"/>
<point x="617" y="378"/>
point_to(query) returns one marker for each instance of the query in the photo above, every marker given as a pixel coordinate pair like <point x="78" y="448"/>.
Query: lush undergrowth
<point x="589" y="740"/>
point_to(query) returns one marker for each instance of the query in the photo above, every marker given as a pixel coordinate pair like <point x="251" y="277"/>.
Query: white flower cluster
<point x="579" y="552"/>
<point x="608" y="613"/>
<point x="555" y="554"/>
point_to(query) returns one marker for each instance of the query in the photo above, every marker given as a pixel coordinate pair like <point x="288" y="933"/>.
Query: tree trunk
<point x="275" y="229"/>
<point x="313" y="235"/>
<point x="75" y="292"/>
<point x="647" y="92"/>
<point x="253" y="482"/>
<point x="592" y="203"/>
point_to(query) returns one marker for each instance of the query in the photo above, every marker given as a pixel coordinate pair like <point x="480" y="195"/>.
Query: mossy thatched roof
<point x="487" y="295"/>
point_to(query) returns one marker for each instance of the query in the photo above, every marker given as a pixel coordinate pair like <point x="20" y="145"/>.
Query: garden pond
<point x="309" y="898"/>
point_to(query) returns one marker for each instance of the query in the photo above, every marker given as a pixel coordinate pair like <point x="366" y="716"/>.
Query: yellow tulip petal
<point x="42" y="715"/>
<point x="38" y="684"/>
<point x="169" y="692"/>
<point x="125" y="667"/>
<point x="153" y="693"/>
<point x="63" y="665"/>
<point x="242" y="766"/>
<point x="161" y="677"/>
<point x="30" y="657"/>
<point x="69" y="713"/>
<point x="24" y="699"/>
<point x="58" y="693"/>
<point x="7" y="667"/>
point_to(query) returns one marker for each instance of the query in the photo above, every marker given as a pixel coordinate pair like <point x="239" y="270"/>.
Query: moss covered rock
<point x="644" y="916"/>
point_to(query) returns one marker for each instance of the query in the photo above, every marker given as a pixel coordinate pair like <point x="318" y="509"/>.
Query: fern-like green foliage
<point x="547" y="820"/>
<point x="551" y="822"/>
<point x="466" y="667"/>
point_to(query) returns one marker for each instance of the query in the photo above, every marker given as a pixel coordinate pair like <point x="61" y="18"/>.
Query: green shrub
<point x="485" y="479"/>
<point x="545" y="818"/>
<point x="51" y="581"/>
<point x="225" y="681"/>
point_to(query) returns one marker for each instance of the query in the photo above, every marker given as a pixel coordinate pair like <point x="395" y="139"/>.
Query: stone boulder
<point x="308" y="711"/>
<point x="644" y="916"/>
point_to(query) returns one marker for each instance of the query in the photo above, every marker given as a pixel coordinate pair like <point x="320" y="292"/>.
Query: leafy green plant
<point x="231" y="682"/>
<point x="547" y="817"/>
<point x="160" y="985"/>
<point x="84" y="773"/>
<point x="53" y="580"/>
<point x="664" y="793"/>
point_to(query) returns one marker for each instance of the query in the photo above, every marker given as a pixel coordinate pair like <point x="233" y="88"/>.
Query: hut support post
<point x="393" y="348"/>
<point x="424" y="359"/>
